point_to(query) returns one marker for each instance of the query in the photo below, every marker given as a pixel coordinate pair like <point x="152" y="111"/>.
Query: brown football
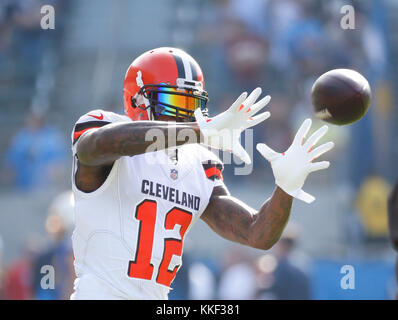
<point x="340" y="96"/>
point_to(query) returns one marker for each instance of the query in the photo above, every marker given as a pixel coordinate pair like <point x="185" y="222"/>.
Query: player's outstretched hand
<point x="292" y="167"/>
<point x="223" y="131"/>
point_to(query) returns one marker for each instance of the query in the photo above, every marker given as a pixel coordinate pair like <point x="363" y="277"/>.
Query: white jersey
<point x="129" y="233"/>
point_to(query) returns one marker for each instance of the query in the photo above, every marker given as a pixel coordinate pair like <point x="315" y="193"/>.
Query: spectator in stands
<point x="59" y="226"/>
<point x="17" y="278"/>
<point x="5" y="24"/>
<point x="28" y="38"/>
<point x="285" y="280"/>
<point x="202" y="282"/>
<point x="237" y="280"/>
<point x="36" y="157"/>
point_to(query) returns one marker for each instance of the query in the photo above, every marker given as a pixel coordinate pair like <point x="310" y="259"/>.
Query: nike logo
<point x="101" y="117"/>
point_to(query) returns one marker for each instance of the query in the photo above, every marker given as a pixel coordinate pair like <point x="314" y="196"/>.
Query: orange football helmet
<point x="164" y="81"/>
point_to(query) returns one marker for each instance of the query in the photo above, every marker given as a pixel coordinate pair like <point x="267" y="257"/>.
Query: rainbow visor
<point x="176" y="102"/>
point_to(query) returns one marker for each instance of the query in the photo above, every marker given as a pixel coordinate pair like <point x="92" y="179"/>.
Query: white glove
<point x="223" y="131"/>
<point x="292" y="167"/>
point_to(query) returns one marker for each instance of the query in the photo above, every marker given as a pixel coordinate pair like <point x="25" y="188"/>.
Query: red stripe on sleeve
<point x="213" y="171"/>
<point x="77" y="134"/>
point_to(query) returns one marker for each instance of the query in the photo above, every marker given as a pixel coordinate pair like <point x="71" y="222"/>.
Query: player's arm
<point x="236" y="221"/>
<point x="102" y="146"/>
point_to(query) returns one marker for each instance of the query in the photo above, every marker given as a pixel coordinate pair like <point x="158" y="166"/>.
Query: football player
<point x="134" y="205"/>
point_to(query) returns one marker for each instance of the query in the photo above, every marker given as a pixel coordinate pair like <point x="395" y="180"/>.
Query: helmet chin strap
<point x="149" y="110"/>
<point x="141" y="99"/>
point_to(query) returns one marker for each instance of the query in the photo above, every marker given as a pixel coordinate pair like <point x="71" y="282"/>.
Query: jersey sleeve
<point x="91" y="120"/>
<point x="212" y="166"/>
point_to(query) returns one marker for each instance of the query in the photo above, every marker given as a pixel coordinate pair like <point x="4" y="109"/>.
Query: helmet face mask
<point x="164" y="82"/>
<point x="173" y="101"/>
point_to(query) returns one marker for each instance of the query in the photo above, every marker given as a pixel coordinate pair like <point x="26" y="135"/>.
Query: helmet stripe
<point x="194" y="71"/>
<point x="187" y="67"/>
<point x="180" y="66"/>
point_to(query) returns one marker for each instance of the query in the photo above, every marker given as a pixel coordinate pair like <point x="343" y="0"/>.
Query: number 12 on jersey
<point x="141" y="267"/>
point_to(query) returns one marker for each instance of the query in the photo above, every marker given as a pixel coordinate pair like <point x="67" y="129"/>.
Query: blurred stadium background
<point x="48" y="78"/>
